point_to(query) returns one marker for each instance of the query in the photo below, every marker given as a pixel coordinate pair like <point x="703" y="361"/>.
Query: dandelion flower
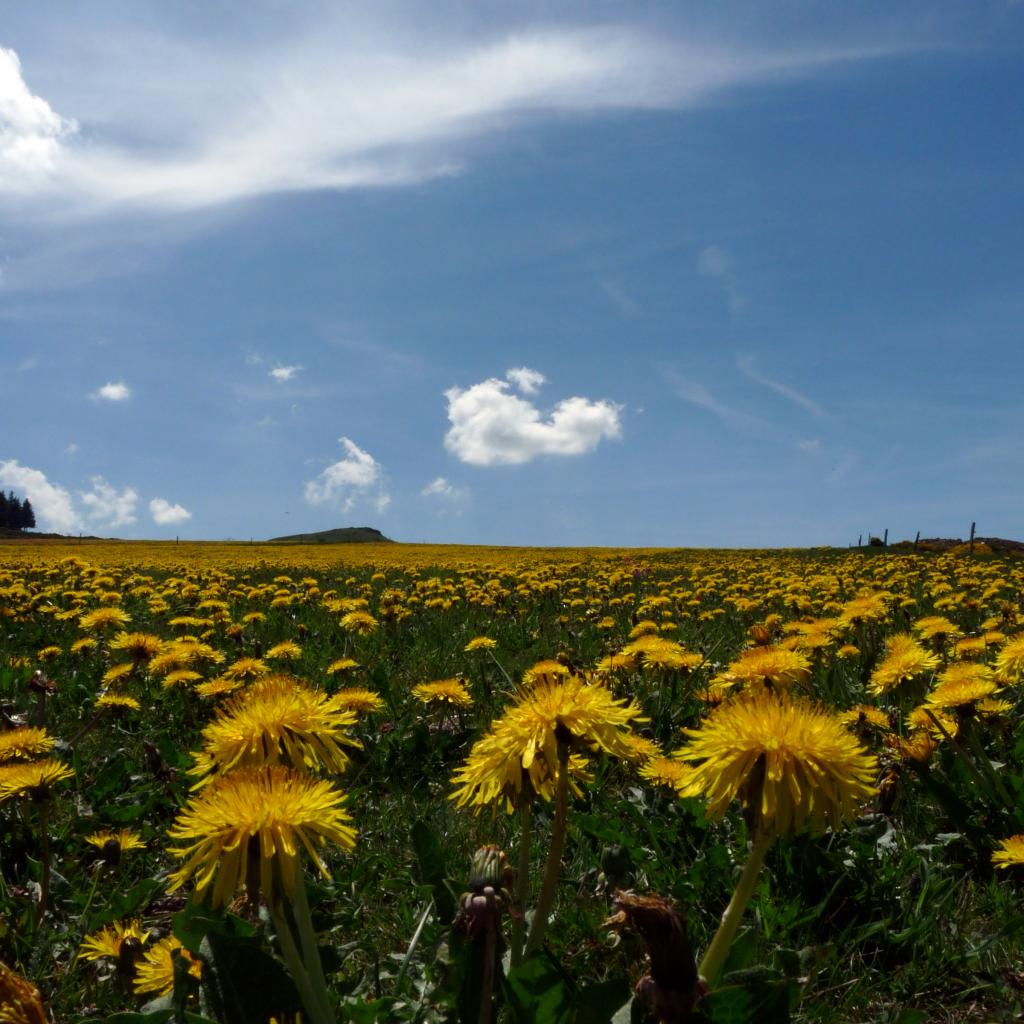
<point x="23" y="743"/>
<point x="667" y="771"/>
<point x="31" y="778"/>
<point x="104" y="618"/>
<point x="246" y="824"/>
<point x="110" y="940"/>
<point x="773" y="666"/>
<point x="866" y="714"/>
<point x="125" y="840"/>
<point x="118" y="702"/>
<point x="443" y="691"/>
<point x="1009" y="853"/>
<point x="546" y="670"/>
<point x="905" y="659"/>
<point x="359" y="622"/>
<point x="480" y="643"/>
<point x="246" y="669"/>
<point x="342" y="665"/>
<point x="1010" y="660"/>
<point x="286" y="650"/>
<point x="788" y="760"/>
<point x="277" y="719"/>
<point x="154" y="974"/>
<point x="355" y="698"/>
<point x="138" y="646"/>
<point x="20" y="1001"/>
<point x="118" y="672"/>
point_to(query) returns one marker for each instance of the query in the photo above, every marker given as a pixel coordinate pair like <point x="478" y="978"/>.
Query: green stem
<point x="318" y="1013"/>
<point x="714" y="958"/>
<point x="972" y="768"/>
<point x="553" y="865"/>
<point x="42" y="809"/>
<point x="522" y="881"/>
<point x="974" y="741"/>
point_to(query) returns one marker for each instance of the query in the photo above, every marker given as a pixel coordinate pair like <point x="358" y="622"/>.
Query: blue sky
<point x="514" y="273"/>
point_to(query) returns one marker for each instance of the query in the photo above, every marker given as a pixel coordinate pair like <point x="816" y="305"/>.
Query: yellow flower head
<point x="359" y="622"/>
<point x="866" y="714"/>
<point x="20" y="1001"/>
<point x="31" y="778"/>
<point x="788" y="760"/>
<point x="342" y="665"/>
<point x="667" y="771"/>
<point x="23" y="743"/>
<point x="154" y="974"/>
<point x="286" y="650"/>
<point x="110" y="940"/>
<point x="962" y="684"/>
<point x="773" y="665"/>
<point x="138" y="646"/>
<point x="104" y="618"/>
<point x="117" y="702"/>
<point x="1009" y="853"/>
<point x="547" y="670"/>
<point x="125" y="840"/>
<point x="277" y="719"/>
<point x="245" y="669"/>
<point x="905" y="659"/>
<point x="443" y="691"/>
<point x="248" y="823"/>
<point x="481" y="643"/>
<point x="1010" y="660"/>
<point x="520" y="751"/>
<point x="359" y="700"/>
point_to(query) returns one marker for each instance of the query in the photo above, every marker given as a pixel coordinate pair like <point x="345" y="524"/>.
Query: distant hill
<point x="344" y="535"/>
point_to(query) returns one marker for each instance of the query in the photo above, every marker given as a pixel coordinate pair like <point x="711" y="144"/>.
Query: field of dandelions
<point x="399" y="783"/>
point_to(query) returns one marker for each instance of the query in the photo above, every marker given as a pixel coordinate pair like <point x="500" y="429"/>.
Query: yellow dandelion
<point x="905" y="659"/>
<point x="937" y="628"/>
<point x="48" y="653"/>
<point x="480" y="643"/>
<point x="774" y="666"/>
<point x="286" y="650"/>
<point x="848" y="651"/>
<point x="31" y="778"/>
<point x="138" y="646"/>
<point x="547" y="670"/>
<point x="110" y="940"/>
<point x="615" y="663"/>
<point x="519" y="753"/>
<point x="249" y="825"/>
<point x="452" y="692"/>
<point x="277" y="720"/>
<point x="932" y="720"/>
<point x="789" y="760"/>
<point x="864" y="715"/>
<point x="20" y="1001"/>
<point x="154" y="974"/>
<point x="961" y="685"/>
<point x="180" y="677"/>
<point x="118" y="702"/>
<point x="359" y="700"/>
<point x="117" y="843"/>
<point x="1009" y="853"/>
<point x="1010" y="660"/>
<point x="342" y="665"/>
<point x="641" y="748"/>
<point x="667" y="771"/>
<point x="246" y="668"/>
<point x="86" y="643"/>
<point x="23" y="743"/>
<point x="104" y="618"/>
<point x="118" y="672"/>
<point x="359" y="622"/>
<point x="221" y="686"/>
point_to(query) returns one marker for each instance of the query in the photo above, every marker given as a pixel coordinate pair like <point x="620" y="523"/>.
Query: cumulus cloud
<point x="166" y="514"/>
<point x="106" y="506"/>
<point x="357" y="476"/>
<point x="284" y="373"/>
<point x="526" y="380"/>
<point x="113" y="391"/>
<point x="31" y="132"/>
<point x="490" y="426"/>
<point x="53" y="506"/>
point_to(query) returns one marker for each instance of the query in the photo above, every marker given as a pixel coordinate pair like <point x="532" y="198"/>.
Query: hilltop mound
<point x="343" y="535"/>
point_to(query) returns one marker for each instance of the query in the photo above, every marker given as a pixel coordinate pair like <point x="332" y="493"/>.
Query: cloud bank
<point x="490" y="426"/>
<point x="166" y="514"/>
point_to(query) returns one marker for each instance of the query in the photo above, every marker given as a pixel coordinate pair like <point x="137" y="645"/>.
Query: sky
<point x="670" y="274"/>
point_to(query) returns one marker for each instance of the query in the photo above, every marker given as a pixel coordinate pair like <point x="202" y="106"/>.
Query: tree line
<point x="16" y="514"/>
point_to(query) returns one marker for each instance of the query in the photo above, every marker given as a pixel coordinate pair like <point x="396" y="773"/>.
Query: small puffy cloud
<point x="439" y="487"/>
<point x="53" y="506"/>
<point x="284" y="373"/>
<point x="525" y="379"/>
<point x="357" y="475"/>
<point x="490" y="426"/>
<point x="31" y="132"/>
<point x="107" y="506"/>
<point x="113" y="391"/>
<point x="166" y="514"/>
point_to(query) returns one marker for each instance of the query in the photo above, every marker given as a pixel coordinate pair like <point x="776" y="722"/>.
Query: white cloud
<point x="441" y="488"/>
<point x="357" y="475"/>
<point x="490" y="426"/>
<point x="72" y="448"/>
<point x="166" y="514"/>
<point x="53" y="506"/>
<point x="32" y="134"/>
<point x="284" y="373"/>
<point x="714" y="263"/>
<point x="344" y="103"/>
<point x="113" y="391"/>
<point x="747" y="368"/>
<point x="810" y="446"/>
<point x="526" y="380"/>
<point x="106" y="506"/>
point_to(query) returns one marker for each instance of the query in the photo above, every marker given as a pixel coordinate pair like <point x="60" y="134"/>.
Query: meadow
<point x="388" y="783"/>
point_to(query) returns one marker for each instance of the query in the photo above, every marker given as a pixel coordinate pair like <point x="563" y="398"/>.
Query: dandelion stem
<point x="318" y="1013"/>
<point x="553" y="866"/>
<point x="522" y="882"/>
<point x="715" y="957"/>
<point x="972" y="768"/>
<point x="974" y="741"/>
